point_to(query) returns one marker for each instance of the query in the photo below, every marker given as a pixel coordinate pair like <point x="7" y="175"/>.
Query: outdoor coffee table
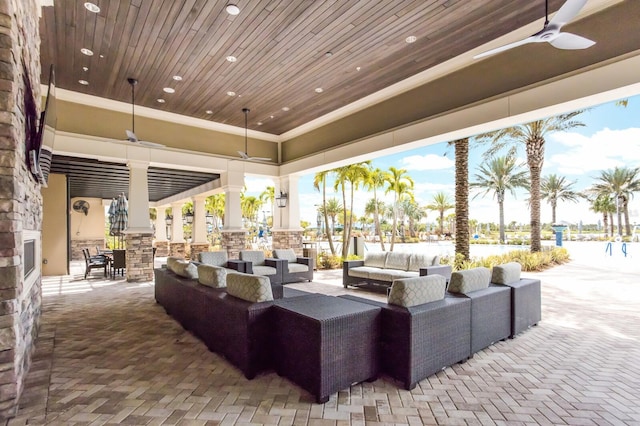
<point x="325" y="344"/>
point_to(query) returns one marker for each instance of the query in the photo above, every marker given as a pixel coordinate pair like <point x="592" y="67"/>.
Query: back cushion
<point x="215" y="258"/>
<point x="375" y="259"/>
<point x="256" y="257"/>
<point x="469" y="280"/>
<point x="397" y="261"/>
<point x="422" y="260"/>
<point x="409" y="292"/>
<point x="171" y="262"/>
<point x="252" y="288"/>
<point x="212" y="276"/>
<point x="286" y="254"/>
<point x="186" y="269"/>
<point x="506" y="273"/>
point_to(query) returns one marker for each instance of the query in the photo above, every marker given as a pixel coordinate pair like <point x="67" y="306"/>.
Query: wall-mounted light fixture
<point x="281" y="200"/>
<point x="188" y="217"/>
<point x="168" y="219"/>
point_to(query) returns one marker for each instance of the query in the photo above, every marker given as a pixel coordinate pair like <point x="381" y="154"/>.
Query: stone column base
<point x="139" y="257"/>
<point x="178" y="250"/>
<point x="162" y="248"/>
<point x="288" y="239"/>
<point x="91" y="244"/>
<point x="233" y="242"/>
<point x="198" y="248"/>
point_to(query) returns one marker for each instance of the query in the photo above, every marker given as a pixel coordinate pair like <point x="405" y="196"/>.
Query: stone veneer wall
<point x="288" y="239"/>
<point x="20" y="200"/>
<point x="198" y="248"/>
<point x="233" y="242"/>
<point x="91" y="244"/>
<point x="139" y="257"/>
<point x="162" y="248"/>
<point x="178" y="250"/>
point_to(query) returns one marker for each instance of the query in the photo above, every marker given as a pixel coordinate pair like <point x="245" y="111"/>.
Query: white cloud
<point x="255" y="186"/>
<point x="426" y="162"/>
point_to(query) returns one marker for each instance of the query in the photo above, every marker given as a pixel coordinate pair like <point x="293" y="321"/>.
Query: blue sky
<point x="610" y="138"/>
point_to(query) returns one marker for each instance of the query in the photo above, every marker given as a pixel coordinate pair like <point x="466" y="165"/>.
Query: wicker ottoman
<point x="526" y="310"/>
<point x="325" y="344"/>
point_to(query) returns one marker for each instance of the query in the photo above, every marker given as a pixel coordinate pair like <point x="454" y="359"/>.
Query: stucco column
<point x="161" y="225"/>
<point x="138" y="198"/>
<point x="232" y="184"/>
<point x="177" y="232"/>
<point x="287" y="232"/>
<point x="199" y="220"/>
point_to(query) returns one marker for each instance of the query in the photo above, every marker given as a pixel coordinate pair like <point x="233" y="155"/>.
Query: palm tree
<point x="461" y="147"/>
<point x="268" y="196"/>
<point x="440" y="203"/>
<point x="414" y="213"/>
<point x="532" y="137"/>
<point x="555" y="188"/>
<point x="354" y="174"/>
<point x="332" y="209"/>
<point x="603" y="204"/>
<point x="214" y="204"/>
<point x="375" y="179"/>
<point x="620" y="183"/>
<point x="374" y="208"/>
<point x="250" y="207"/>
<point x="320" y="179"/>
<point x="499" y="175"/>
<point x="400" y="183"/>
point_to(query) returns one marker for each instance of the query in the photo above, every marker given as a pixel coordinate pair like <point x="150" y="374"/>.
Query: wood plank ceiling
<point x="281" y="49"/>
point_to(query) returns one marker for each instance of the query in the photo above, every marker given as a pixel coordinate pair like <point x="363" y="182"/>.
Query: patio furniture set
<point x="324" y="343"/>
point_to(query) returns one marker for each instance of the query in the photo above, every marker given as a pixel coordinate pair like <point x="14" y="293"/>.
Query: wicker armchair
<point x="296" y="268"/>
<point x="257" y="264"/>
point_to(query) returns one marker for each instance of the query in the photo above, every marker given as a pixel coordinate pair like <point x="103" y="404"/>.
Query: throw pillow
<point x="421" y="260"/>
<point x="252" y="288"/>
<point x="171" y="262"/>
<point x="409" y="292"/>
<point x="212" y="276"/>
<point x="215" y="258"/>
<point x="375" y="259"/>
<point x="506" y="273"/>
<point x="397" y="261"/>
<point x="469" y="280"/>
<point x="186" y="269"/>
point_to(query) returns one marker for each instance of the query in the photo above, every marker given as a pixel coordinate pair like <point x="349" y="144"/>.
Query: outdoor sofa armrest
<point x="279" y="264"/>
<point x="305" y="261"/>
<point x="444" y="270"/>
<point x="348" y="264"/>
<point x="240" y="266"/>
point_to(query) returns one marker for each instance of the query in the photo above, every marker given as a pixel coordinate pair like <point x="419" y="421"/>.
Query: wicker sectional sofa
<point x="382" y="268"/>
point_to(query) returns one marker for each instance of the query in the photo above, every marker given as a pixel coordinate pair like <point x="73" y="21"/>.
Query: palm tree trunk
<point x="605" y="223"/>
<point x="501" y="217"/>
<point x="376" y="219"/>
<point x="345" y="237"/>
<point x="535" y="158"/>
<point x="326" y="218"/>
<point x="625" y="209"/>
<point x="461" y="147"/>
<point x="395" y="224"/>
<point x="553" y="212"/>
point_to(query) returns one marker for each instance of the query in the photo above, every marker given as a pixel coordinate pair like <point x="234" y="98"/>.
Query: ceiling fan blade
<point x="131" y="137"/>
<point x="571" y="41"/>
<point x="567" y="12"/>
<point x="243" y="155"/>
<point x="151" y="144"/>
<point x="532" y="39"/>
<point x="259" y="158"/>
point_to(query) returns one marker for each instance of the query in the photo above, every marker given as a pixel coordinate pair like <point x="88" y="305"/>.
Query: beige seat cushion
<point x="264" y="270"/>
<point x="252" y="288"/>
<point x="409" y="292"/>
<point x="397" y="261"/>
<point x="212" y="276"/>
<point x="421" y="260"/>
<point x="469" y="280"/>
<point x="297" y="267"/>
<point x="507" y="273"/>
<point x="185" y="269"/>
<point x="171" y="262"/>
<point x="375" y="259"/>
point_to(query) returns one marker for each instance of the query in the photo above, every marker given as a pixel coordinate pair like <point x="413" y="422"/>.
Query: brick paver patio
<point x="108" y="354"/>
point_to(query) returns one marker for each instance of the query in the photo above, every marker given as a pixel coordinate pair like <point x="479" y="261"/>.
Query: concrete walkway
<point x="108" y="354"/>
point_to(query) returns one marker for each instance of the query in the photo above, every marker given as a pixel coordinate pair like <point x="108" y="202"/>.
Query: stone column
<point x="161" y="243"/>
<point x="20" y="199"/>
<point x="199" y="241"/>
<point x="287" y="232"/>
<point x="139" y="234"/>
<point x="177" y="248"/>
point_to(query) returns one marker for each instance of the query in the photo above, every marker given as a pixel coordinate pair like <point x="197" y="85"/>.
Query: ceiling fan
<point x="244" y="155"/>
<point x="550" y="33"/>
<point x="131" y="135"/>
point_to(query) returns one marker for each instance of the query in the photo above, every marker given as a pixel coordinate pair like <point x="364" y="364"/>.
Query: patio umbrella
<point x="120" y="218"/>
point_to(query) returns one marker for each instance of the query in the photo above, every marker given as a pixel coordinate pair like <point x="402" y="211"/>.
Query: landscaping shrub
<point x="530" y="262"/>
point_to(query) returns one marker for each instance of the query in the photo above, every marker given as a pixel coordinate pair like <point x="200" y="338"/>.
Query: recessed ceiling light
<point x="86" y="51"/>
<point x="410" y="39"/>
<point x="91" y="7"/>
<point x="209" y="111"/>
<point x="285" y="108"/>
<point x="328" y="54"/>
<point x="232" y="9"/>
<point x="357" y="68"/>
<point x="102" y="56"/>
<point x="169" y="90"/>
<point x="177" y="78"/>
<point x="85" y="68"/>
<point x="231" y="58"/>
<point x="259" y="123"/>
<point x="231" y="93"/>
<point x="319" y="90"/>
<point x="83" y="82"/>
<point x="160" y="100"/>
